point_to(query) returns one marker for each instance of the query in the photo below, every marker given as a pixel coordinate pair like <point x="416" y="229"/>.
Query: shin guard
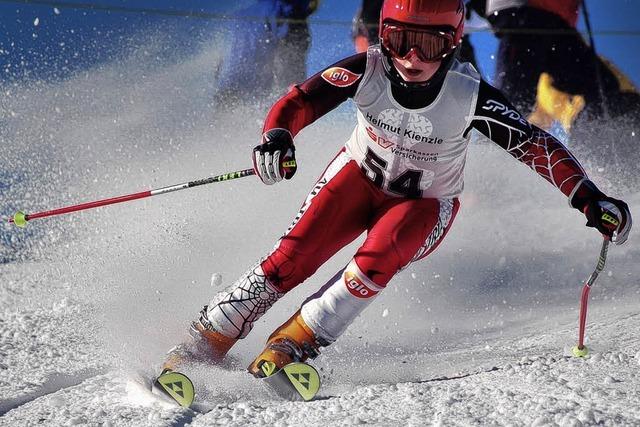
<point x="329" y="312"/>
<point x="249" y="298"/>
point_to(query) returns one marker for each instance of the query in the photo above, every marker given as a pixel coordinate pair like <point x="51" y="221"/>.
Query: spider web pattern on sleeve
<point x="539" y="150"/>
<point x="251" y="297"/>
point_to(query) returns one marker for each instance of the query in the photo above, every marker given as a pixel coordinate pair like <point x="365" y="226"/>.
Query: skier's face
<point x="414" y="70"/>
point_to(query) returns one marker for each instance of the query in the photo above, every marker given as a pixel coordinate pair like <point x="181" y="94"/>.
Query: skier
<point x="398" y="177"/>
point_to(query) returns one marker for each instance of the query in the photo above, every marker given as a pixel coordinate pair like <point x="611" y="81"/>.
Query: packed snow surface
<point x="477" y="334"/>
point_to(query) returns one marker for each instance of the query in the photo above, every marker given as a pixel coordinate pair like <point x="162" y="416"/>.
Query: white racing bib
<point x="413" y="153"/>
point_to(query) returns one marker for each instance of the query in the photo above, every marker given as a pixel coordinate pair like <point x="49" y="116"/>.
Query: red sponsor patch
<point x="339" y="76"/>
<point x="356" y="287"/>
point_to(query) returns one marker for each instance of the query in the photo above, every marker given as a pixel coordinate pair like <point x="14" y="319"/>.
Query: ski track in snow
<point x="54" y="383"/>
<point x="478" y="334"/>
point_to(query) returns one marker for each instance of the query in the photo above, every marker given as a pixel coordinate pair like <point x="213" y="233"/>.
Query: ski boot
<point x="293" y="341"/>
<point x="206" y="345"/>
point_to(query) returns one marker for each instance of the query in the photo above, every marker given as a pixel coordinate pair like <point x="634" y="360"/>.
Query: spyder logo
<point x="498" y="107"/>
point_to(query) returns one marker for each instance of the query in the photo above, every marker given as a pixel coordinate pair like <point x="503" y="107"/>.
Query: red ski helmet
<point x="433" y="27"/>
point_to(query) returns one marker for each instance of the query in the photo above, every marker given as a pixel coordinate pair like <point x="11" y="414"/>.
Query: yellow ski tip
<point x="268" y="368"/>
<point x="178" y="386"/>
<point x="304" y="378"/>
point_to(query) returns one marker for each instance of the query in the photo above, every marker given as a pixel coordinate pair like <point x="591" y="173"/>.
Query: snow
<point x="478" y="334"/>
<point x="216" y="280"/>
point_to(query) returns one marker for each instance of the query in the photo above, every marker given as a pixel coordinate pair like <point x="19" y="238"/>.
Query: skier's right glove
<point x="275" y="158"/>
<point x="609" y="216"/>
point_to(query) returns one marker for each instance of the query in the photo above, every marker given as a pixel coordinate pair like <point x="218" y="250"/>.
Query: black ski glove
<point x="609" y="216"/>
<point x="274" y="159"/>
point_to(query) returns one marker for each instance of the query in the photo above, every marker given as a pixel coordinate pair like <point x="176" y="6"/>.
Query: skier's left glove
<point x="275" y="158"/>
<point x="609" y="216"/>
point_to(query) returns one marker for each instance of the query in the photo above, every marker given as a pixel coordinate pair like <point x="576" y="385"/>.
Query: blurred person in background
<point x="546" y="67"/>
<point x="364" y="29"/>
<point x="267" y="50"/>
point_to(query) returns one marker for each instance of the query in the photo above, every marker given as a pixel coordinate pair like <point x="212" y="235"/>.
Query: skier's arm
<point x="304" y="104"/>
<point x="499" y="121"/>
<point x="316" y="96"/>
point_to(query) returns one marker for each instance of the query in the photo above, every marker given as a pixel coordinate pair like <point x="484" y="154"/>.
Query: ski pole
<point x="596" y="61"/>
<point x="20" y="218"/>
<point x="581" y="350"/>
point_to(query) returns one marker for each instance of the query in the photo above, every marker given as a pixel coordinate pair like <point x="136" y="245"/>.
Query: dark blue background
<point x="77" y="38"/>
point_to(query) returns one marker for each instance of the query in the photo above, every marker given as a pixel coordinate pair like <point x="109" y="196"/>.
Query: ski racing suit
<point x="397" y="178"/>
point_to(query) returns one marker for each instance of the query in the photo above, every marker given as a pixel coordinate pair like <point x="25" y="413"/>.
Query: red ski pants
<point x="343" y="204"/>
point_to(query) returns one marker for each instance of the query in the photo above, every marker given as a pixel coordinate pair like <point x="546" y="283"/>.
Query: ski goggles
<point x="431" y="45"/>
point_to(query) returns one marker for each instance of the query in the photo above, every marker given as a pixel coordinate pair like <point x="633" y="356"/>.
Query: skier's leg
<point x="404" y="231"/>
<point x="315" y="235"/>
<point x="296" y="340"/>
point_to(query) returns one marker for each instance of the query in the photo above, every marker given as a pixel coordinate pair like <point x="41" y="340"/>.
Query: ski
<point x="296" y="381"/>
<point x="177" y="386"/>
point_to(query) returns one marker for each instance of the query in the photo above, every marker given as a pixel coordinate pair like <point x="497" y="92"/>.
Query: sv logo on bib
<point x="357" y="288"/>
<point x="339" y="76"/>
